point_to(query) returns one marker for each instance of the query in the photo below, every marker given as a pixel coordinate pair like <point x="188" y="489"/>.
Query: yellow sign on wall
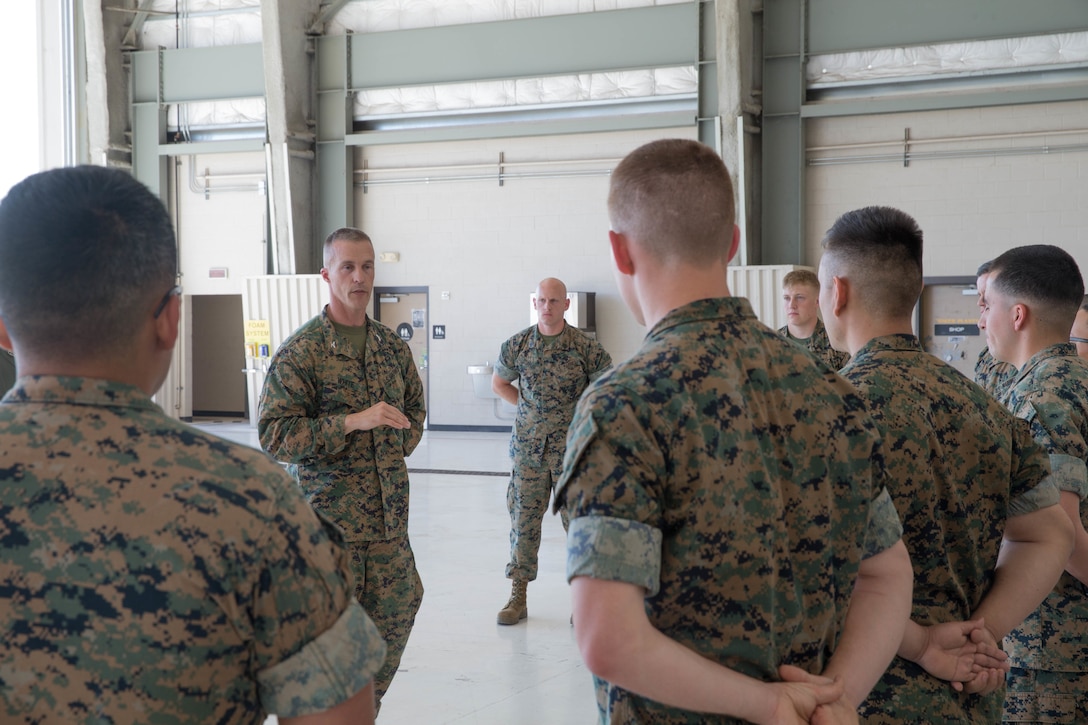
<point x="258" y="337"/>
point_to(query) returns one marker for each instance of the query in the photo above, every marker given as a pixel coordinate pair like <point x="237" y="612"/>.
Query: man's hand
<point x="961" y="652"/>
<point x="375" y="416"/>
<point x="804" y="697"/>
<point x="992" y="674"/>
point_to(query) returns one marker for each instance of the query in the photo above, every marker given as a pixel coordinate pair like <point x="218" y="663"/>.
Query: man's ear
<point x="840" y="294"/>
<point x="621" y="253"/>
<point x="166" y="324"/>
<point x="1020" y="314"/>
<point x="735" y="246"/>
<point x="5" y="338"/>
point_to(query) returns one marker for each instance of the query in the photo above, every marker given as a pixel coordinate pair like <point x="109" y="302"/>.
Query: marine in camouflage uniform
<point x="117" y="524"/>
<point x="150" y="573"/>
<point x="994" y="376"/>
<point x="958" y="467"/>
<point x="818" y="344"/>
<point x="1049" y="652"/>
<point x="552" y="371"/>
<point x="688" y="469"/>
<point x="358" y="479"/>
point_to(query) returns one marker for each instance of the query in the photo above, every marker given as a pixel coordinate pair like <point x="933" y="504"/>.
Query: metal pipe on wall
<point x="934" y="155"/>
<point x="951" y="139"/>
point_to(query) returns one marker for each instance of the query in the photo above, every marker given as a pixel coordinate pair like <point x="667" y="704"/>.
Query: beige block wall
<point x="489" y="246"/>
<point x="970" y="209"/>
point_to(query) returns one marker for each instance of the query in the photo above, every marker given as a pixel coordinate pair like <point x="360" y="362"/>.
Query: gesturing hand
<point x="375" y="416"/>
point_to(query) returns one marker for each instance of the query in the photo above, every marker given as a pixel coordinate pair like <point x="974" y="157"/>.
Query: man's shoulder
<point x="386" y="337"/>
<point x="219" y="459"/>
<point x="1058" y="372"/>
<point x="311" y="334"/>
<point x="513" y="346"/>
<point x="583" y="339"/>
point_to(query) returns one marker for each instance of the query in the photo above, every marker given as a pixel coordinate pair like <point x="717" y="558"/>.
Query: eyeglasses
<point x="166" y="298"/>
<point x="1078" y="339"/>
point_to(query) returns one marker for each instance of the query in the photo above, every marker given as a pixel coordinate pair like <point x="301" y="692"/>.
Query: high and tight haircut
<point x="801" y="278"/>
<point x="984" y="268"/>
<point x="879" y="249"/>
<point x="1044" y="277"/>
<point x="674" y="198"/>
<point x="86" y="254"/>
<point x="343" y="234"/>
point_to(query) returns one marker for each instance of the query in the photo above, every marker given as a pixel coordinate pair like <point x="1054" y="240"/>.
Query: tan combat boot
<point x="516" y="609"/>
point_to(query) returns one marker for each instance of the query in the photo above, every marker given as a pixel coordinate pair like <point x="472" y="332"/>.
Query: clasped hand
<point x="965" y="654"/>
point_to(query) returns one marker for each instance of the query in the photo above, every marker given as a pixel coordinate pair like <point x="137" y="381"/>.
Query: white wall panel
<point x="970" y="209"/>
<point x="762" y="285"/>
<point x="286" y="302"/>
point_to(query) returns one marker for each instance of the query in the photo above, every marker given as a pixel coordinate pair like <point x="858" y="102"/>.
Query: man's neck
<point x="802" y="332"/>
<point x="859" y="333"/>
<point x="551" y="330"/>
<point x="1033" y="344"/>
<point x="348" y="318"/>
<point x="660" y="291"/>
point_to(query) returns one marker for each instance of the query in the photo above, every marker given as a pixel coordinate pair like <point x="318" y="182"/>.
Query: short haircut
<point x="879" y="249"/>
<point x="1044" y="277"/>
<point x="801" y="277"/>
<point x="86" y="253"/>
<point x="984" y="268"/>
<point x="674" y="198"/>
<point x="343" y="234"/>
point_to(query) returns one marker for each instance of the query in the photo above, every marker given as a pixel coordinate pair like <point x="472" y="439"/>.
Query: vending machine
<point x="947" y="321"/>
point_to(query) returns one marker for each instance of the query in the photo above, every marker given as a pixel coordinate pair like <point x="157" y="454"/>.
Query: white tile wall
<point x="970" y="209"/>
<point x="489" y="246"/>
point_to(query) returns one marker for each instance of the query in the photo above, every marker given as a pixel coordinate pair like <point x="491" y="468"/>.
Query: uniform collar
<point x="715" y="308"/>
<point x="78" y="391"/>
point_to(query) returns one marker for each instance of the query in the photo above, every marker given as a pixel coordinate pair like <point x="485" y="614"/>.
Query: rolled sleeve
<point x="884" y="528"/>
<point x="1044" y="494"/>
<point x="614" y="549"/>
<point x="328" y="670"/>
<point x="1069" y="473"/>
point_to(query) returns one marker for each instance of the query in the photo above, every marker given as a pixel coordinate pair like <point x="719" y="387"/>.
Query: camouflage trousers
<point x="390" y="590"/>
<point x="1041" y="696"/>
<point x="536" y="469"/>
<point x="906" y="693"/>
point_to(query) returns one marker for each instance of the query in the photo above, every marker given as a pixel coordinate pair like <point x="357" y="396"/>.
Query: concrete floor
<point x="459" y="666"/>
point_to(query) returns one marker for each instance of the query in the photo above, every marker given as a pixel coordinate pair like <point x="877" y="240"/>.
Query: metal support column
<point x="783" y="197"/>
<point x="335" y="168"/>
<point x="288" y="72"/>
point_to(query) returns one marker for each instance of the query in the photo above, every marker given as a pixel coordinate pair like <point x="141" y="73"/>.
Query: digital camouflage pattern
<point x="992" y="374"/>
<point x="552" y="372"/>
<point x="315" y="380"/>
<point x="360" y="481"/>
<point x="714" y="467"/>
<point x="1051" y="393"/>
<point x="1035" y="696"/>
<point x="153" y="573"/>
<point x="959" y="465"/>
<point x="390" y="597"/>
<point x="819" y="345"/>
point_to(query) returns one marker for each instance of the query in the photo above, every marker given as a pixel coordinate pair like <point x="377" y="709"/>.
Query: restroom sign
<point x="404" y="331"/>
